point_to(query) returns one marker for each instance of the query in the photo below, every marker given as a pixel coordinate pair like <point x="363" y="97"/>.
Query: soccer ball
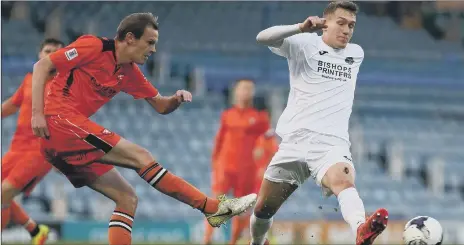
<point x="423" y="230"/>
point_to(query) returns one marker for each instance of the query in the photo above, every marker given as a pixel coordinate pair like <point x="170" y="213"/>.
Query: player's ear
<point x="130" y="38"/>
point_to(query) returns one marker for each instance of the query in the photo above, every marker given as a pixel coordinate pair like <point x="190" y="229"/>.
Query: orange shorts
<point x="241" y="183"/>
<point x="75" y="145"/>
<point x="24" y="170"/>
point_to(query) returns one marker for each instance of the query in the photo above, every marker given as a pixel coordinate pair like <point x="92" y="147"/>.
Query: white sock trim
<point x="259" y="228"/>
<point x="27" y="223"/>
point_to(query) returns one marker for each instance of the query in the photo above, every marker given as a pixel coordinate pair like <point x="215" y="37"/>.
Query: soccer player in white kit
<point x="314" y="125"/>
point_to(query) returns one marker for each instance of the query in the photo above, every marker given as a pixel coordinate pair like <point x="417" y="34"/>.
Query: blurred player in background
<point x="23" y="166"/>
<point x="233" y="166"/>
<point x="265" y="148"/>
<point x="314" y="125"/>
<point x="91" y="71"/>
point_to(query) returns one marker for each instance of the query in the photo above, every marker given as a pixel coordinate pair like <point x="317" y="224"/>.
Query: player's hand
<point x="184" y="95"/>
<point x="39" y="126"/>
<point x="312" y="24"/>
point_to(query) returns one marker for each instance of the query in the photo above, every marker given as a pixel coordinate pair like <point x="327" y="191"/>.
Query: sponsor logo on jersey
<point x="333" y="71"/>
<point x="103" y="90"/>
<point x="71" y="54"/>
<point x="349" y="60"/>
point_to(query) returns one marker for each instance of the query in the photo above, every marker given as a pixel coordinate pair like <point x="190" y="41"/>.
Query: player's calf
<point x="130" y="155"/>
<point x="340" y="180"/>
<point x="115" y="187"/>
<point x="271" y="197"/>
<point x="177" y="188"/>
<point x="8" y="193"/>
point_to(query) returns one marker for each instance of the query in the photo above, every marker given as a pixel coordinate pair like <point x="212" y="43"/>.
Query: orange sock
<point x="20" y="217"/>
<point x="208" y="233"/>
<point x="175" y="187"/>
<point x="6" y="215"/>
<point x="120" y="228"/>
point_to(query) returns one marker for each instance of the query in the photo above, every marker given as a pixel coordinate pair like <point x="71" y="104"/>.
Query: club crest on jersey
<point x="349" y="60"/>
<point x="71" y="54"/>
<point x="120" y="77"/>
<point x="106" y="132"/>
<point x="252" y="120"/>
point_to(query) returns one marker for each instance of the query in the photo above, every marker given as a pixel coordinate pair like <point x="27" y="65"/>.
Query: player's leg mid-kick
<point x="315" y="141"/>
<point x="133" y="156"/>
<point x="339" y="179"/>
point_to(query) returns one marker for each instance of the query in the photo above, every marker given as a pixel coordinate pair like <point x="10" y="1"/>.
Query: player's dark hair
<point x="346" y="5"/>
<point x="51" y="41"/>
<point x="136" y="24"/>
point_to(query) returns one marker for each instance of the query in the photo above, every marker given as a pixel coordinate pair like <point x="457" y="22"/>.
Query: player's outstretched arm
<point x="274" y="36"/>
<point x="8" y="108"/>
<point x="39" y="77"/>
<point x="167" y="104"/>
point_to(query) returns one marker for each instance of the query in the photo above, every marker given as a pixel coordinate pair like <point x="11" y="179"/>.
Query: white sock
<point x="258" y="229"/>
<point x="352" y="208"/>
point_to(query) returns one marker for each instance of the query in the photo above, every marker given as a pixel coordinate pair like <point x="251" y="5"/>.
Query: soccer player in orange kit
<point x="232" y="159"/>
<point x="265" y="148"/>
<point x="91" y="71"/>
<point x="23" y="166"/>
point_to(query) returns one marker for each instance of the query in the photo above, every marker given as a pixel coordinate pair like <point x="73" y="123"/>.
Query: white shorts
<point x="307" y="154"/>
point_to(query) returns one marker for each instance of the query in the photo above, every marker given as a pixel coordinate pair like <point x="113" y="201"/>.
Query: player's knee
<point x="340" y="185"/>
<point x="8" y="192"/>
<point x="127" y="200"/>
<point x="339" y="177"/>
<point x="144" y="157"/>
<point x="340" y="182"/>
<point x="264" y="211"/>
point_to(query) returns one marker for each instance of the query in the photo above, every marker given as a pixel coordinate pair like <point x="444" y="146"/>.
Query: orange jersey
<point x="89" y="76"/>
<point x="236" y="138"/>
<point x="24" y="139"/>
<point x="265" y="148"/>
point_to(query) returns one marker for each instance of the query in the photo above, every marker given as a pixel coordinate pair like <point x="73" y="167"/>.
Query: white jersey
<point x="322" y="85"/>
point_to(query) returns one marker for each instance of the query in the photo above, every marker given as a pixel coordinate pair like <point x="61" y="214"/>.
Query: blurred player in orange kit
<point x="23" y="166"/>
<point x="265" y="148"/>
<point x="232" y="159"/>
<point x="91" y="71"/>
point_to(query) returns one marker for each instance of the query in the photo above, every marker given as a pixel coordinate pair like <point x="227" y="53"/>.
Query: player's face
<point x="340" y="28"/>
<point x="48" y="49"/>
<point x="244" y="91"/>
<point x="141" y="49"/>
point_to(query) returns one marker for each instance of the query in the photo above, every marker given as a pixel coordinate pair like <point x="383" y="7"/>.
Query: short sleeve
<point x="360" y="52"/>
<point x="293" y="44"/>
<point x="18" y="96"/>
<point x="83" y="50"/>
<point x="138" y="86"/>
